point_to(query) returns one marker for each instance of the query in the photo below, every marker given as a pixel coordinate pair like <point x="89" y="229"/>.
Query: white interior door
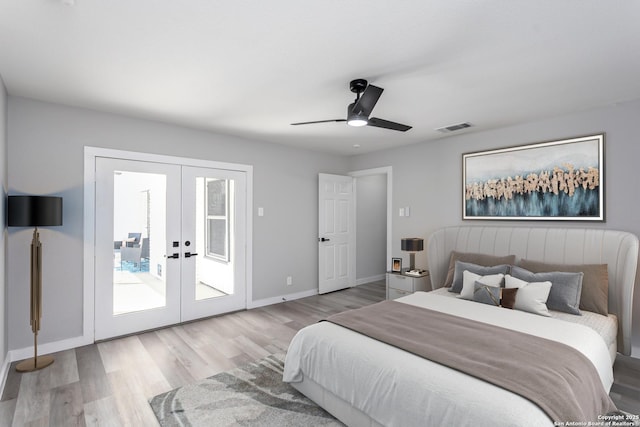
<point x="170" y="244"/>
<point x="336" y="228"/>
<point x="137" y="287"/>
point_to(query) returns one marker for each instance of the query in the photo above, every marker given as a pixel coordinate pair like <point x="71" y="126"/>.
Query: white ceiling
<point x="250" y="68"/>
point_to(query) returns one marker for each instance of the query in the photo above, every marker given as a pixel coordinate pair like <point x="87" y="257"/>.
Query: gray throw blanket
<point x="559" y="379"/>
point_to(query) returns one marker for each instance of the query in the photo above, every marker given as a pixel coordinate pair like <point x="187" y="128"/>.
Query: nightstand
<point x="399" y="285"/>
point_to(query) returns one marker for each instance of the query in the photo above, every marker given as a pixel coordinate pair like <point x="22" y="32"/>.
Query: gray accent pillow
<point x="595" y="283"/>
<point x="460" y="267"/>
<point x="566" y="288"/>
<point x="486" y="294"/>
<point x="475" y="258"/>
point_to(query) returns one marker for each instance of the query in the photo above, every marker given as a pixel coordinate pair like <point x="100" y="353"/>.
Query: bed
<point x="365" y="382"/>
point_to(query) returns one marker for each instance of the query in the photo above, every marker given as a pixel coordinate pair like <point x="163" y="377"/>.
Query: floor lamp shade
<point x="35" y="211"/>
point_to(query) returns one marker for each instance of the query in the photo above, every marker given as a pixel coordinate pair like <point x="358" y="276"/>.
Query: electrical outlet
<point x="289" y="281"/>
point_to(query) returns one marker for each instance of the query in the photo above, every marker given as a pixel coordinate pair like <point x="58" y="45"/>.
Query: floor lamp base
<point x="33" y="364"/>
<point x="36" y="362"/>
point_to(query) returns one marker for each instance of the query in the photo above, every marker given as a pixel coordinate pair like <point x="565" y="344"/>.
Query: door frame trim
<point x="90" y="154"/>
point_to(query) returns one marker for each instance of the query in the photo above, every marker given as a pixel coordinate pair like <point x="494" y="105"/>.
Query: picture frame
<point x="560" y="180"/>
<point x="396" y="265"/>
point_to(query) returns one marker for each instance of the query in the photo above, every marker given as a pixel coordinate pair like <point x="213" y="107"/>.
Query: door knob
<point x="324" y="239"/>
<point x="189" y="254"/>
<point x="174" y="255"/>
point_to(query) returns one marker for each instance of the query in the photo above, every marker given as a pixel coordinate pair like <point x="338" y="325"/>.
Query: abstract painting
<point x="556" y="180"/>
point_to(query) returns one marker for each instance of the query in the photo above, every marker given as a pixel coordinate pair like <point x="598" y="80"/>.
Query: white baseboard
<point x="282" y="298"/>
<point x="27" y="352"/>
<point x="48" y="348"/>
<point x="370" y="279"/>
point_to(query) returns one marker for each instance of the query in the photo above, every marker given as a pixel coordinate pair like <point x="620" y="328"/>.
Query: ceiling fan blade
<point x="318" y="121"/>
<point x="386" y="124"/>
<point x="367" y="101"/>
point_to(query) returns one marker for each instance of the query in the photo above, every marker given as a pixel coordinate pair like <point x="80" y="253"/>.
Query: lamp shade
<point x="34" y="211"/>
<point x="412" y="244"/>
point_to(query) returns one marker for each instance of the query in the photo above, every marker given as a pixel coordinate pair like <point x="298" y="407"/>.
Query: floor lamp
<point x="35" y="211"/>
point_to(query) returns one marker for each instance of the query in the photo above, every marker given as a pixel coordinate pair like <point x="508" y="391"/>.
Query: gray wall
<point x="45" y="147"/>
<point x="428" y="176"/>
<point x="46" y="151"/>
<point x="371" y="225"/>
<point x="3" y="209"/>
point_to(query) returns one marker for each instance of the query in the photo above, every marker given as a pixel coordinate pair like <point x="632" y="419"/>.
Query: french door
<point x="169" y="244"/>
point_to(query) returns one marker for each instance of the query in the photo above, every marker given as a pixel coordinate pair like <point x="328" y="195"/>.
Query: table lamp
<point x="412" y="245"/>
<point x="35" y="211"/>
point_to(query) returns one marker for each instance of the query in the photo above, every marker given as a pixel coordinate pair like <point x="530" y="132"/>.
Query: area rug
<point x="251" y="395"/>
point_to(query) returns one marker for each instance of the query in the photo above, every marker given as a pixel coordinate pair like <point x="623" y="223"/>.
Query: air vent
<point x="453" y="128"/>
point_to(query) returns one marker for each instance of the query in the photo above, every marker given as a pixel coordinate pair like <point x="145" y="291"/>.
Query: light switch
<point x="260" y="211"/>
<point x="407" y="211"/>
<point x="401" y="212"/>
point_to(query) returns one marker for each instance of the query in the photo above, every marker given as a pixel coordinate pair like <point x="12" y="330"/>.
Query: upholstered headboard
<point x="617" y="249"/>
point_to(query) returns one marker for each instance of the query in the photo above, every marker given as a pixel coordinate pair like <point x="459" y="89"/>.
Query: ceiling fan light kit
<point x="355" y="119"/>
<point x="359" y="111"/>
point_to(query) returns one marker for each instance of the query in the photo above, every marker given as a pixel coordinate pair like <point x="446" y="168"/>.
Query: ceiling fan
<point x="359" y="111"/>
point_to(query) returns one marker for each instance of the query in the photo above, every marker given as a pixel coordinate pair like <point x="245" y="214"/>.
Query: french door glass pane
<point x="217" y="238"/>
<point x="214" y="268"/>
<point x="217" y="202"/>
<point x="216" y="197"/>
<point x="139" y="241"/>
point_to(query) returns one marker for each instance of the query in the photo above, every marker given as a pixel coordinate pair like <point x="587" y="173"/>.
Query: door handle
<point x="324" y="239"/>
<point x="189" y="254"/>
<point x="174" y="255"/>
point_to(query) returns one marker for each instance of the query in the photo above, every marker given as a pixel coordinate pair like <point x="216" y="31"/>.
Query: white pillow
<point x="469" y="279"/>
<point x="531" y="296"/>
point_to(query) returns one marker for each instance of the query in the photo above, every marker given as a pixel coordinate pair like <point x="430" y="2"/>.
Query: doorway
<point x="380" y="198"/>
<point x="170" y="243"/>
<point x="339" y="224"/>
<point x="371" y="228"/>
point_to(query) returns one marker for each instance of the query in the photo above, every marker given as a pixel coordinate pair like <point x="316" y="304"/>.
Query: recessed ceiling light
<point x="69" y="2"/>
<point x="356" y="145"/>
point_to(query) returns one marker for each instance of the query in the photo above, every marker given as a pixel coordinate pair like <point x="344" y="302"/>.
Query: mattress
<point x="396" y="388"/>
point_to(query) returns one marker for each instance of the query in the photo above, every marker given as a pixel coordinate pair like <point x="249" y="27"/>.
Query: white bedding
<point x="605" y="326"/>
<point x="396" y="388"/>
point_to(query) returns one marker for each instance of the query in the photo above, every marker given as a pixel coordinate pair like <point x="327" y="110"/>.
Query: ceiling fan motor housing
<point x="358" y="86"/>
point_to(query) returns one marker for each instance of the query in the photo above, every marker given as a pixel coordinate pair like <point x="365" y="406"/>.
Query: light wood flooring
<point x="625" y="391"/>
<point x="109" y="383"/>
